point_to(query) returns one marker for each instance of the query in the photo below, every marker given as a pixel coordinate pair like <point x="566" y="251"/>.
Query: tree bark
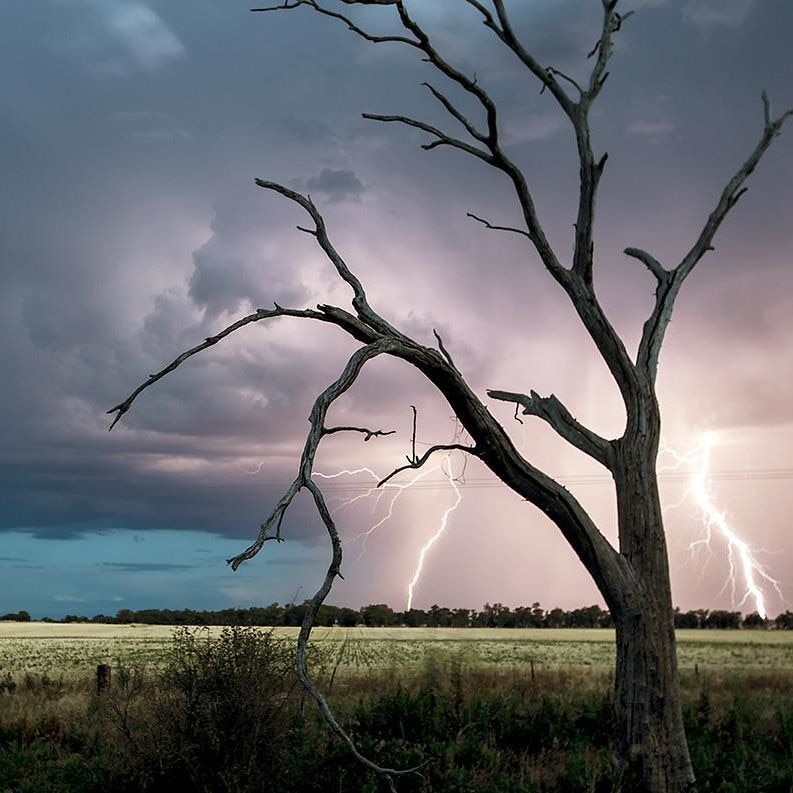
<point x="648" y="711"/>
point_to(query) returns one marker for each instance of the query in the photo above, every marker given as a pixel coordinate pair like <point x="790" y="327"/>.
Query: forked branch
<point x="670" y="281"/>
<point x="552" y="411"/>
<point x="303" y="480"/>
<point x="419" y="461"/>
<point x="441" y="138"/>
<point x="210" y="341"/>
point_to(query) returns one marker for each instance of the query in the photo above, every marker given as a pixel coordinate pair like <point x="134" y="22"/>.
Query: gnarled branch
<point x="419" y="461"/>
<point x="671" y="280"/>
<point x="551" y="410"/>
<point x="210" y="341"/>
<point x="662" y="275"/>
<point x="341" y="17"/>
<point x="367" y="433"/>
<point x="442" y="139"/>
<point x="303" y="480"/>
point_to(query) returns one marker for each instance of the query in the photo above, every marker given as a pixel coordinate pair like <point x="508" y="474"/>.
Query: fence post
<point x="102" y="678"/>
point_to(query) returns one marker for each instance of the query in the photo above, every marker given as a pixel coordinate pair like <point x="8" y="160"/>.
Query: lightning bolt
<point x="425" y="549"/>
<point x="741" y="556"/>
<point x="445" y="465"/>
<point x="377" y="494"/>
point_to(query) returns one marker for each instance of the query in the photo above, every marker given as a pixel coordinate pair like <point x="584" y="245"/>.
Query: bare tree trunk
<point x="647" y="705"/>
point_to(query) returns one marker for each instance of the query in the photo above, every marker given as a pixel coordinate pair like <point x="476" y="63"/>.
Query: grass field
<point x="227" y="716"/>
<point x="75" y="648"/>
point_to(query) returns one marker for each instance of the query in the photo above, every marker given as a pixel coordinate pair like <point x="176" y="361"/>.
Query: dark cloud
<point x="334" y="185"/>
<point x="133" y="230"/>
<point x="301" y="131"/>
<point x="144" y="567"/>
<point x="711" y="13"/>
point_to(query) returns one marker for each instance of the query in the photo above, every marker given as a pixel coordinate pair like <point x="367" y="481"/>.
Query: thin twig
<point x="441" y="447"/>
<point x="493" y="227"/>
<point x="369" y="434"/>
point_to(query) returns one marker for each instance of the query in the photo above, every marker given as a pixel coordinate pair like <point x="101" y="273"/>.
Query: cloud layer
<point x="133" y="230"/>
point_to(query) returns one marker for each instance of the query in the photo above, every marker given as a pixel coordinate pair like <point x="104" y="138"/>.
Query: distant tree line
<point x="17" y="616"/>
<point x="495" y="615"/>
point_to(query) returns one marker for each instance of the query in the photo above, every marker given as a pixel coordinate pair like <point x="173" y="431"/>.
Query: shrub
<point x="220" y="719"/>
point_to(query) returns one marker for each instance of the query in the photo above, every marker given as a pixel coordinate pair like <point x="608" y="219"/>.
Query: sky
<point x="130" y="136"/>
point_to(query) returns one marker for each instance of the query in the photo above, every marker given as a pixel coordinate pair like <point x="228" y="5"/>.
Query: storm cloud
<point x="131" y="135"/>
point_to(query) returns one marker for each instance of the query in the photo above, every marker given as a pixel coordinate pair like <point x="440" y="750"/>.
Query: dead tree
<point x="633" y="577"/>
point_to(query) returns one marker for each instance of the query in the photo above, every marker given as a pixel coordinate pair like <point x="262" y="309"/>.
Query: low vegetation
<point x="72" y="650"/>
<point x="220" y="711"/>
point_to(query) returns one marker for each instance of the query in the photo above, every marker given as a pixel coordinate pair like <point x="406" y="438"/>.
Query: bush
<point x="220" y="719"/>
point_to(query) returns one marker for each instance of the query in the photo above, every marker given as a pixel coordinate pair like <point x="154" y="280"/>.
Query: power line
<point x="485" y="483"/>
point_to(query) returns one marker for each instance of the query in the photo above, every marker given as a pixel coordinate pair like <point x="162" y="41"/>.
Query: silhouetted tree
<point x="632" y="577"/>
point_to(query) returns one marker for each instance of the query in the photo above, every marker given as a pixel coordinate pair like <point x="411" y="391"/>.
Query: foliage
<point x="220" y="717"/>
<point x="483" y="730"/>
<point x="18" y="616"/>
<point x="496" y="615"/>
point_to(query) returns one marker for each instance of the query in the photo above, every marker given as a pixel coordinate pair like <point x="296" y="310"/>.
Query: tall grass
<point x="226" y="716"/>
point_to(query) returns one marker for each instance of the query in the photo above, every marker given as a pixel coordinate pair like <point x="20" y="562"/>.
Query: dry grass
<point x="74" y="649"/>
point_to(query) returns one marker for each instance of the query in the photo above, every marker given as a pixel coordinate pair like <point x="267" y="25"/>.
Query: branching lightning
<point x="425" y="549"/>
<point x="377" y="493"/>
<point x="743" y="562"/>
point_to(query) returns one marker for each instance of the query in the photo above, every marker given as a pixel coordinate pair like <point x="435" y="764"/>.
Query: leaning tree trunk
<point x="647" y="703"/>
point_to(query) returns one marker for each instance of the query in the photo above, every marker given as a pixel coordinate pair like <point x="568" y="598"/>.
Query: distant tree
<point x="16" y="616"/>
<point x="125" y="616"/>
<point x="754" y="620"/>
<point x="784" y="621"/>
<point x="439" y="616"/>
<point x="349" y="618"/>
<point x="723" y="619"/>
<point x="415" y="618"/>
<point x="461" y="618"/>
<point x="378" y="615"/>
<point x="529" y="616"/>
<point x="689" y="619"/>
<point x="555" y="618"/>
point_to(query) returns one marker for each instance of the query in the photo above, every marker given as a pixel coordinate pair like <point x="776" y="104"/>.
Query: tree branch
<point x="551" y="410"/>
<point x="487" y="224"/>
<point x="508" y="36"/>
<point x="446" y="354"/>
<point x="650" y="262"/>
<point x="733" y="190"/>
<point x="442" y="139"/>
<point x="670" y="281"/>
<point x="303" y="480"/>
<point x="419" y="462"/>
<point x="387" y="774"/>
<point x="210" y="341"/>
<point x="453" y="111"/>
<point x="369" y="434"/>
<point x="341" y="17"/>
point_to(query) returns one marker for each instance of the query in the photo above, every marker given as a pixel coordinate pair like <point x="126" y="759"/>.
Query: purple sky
<point x="131" y="133"/>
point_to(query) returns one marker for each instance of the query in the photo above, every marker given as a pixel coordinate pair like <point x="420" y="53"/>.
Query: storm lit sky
<point x="130" y="229"/>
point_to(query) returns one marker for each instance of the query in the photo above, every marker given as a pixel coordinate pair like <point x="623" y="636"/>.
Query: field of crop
<point x="46" y="648"/>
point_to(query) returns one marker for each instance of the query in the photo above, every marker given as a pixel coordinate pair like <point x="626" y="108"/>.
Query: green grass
<point x="227" y="715"/>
